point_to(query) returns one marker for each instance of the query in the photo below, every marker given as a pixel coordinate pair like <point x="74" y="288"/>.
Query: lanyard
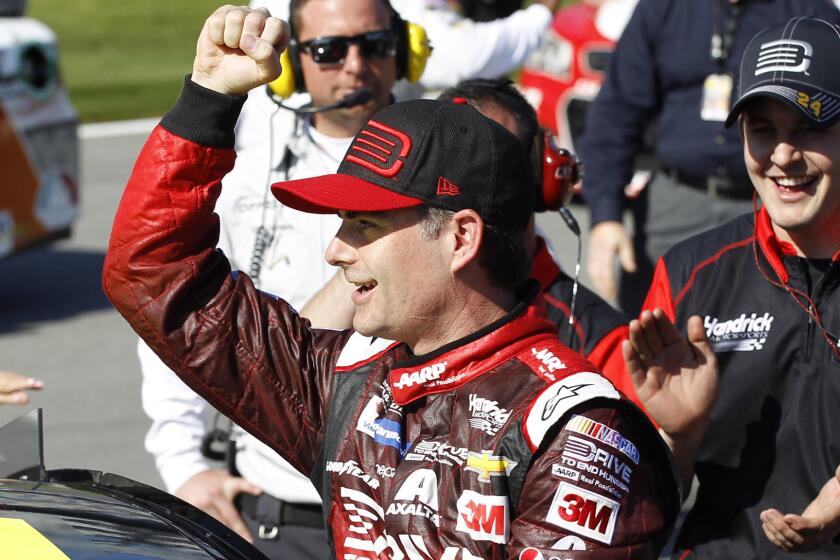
<point x="724" y="28"/>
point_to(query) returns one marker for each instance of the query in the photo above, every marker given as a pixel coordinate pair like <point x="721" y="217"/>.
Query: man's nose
<point x="785" y="153"/>
<point x="355" y="61"/>
<point x="339" y="253"/>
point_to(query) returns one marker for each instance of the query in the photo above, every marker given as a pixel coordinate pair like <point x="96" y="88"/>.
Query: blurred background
<point x="81" y="85"/>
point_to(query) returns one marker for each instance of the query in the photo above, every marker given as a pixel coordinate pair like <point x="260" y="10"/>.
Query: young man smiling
<point x="474" y="433"/>
<point x="759" y="300"/>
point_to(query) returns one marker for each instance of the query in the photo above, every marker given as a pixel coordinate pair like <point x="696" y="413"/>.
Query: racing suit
<point x="497" y="444"/>
<point x="772" y="441"/>
<point x="597" y="329"/>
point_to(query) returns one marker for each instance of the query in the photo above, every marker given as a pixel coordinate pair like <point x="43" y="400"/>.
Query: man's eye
<point x="364" y="224"/>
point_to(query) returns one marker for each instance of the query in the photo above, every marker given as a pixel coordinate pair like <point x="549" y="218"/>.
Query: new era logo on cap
<point x="447" y="188"/>
<point x="795" y="63"/>
<point x="784" y="56"/>
<point x="380" y="148"/>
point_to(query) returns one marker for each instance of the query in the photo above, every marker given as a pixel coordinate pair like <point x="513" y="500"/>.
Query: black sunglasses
<point x="333" y="50"/>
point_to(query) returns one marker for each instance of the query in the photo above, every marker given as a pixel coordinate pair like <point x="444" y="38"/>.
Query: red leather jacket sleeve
<point x="247" y="353"/>
<point x="590" y="499"/>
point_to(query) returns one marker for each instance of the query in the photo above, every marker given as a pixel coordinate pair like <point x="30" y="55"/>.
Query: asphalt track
<point x="56" y="324"/>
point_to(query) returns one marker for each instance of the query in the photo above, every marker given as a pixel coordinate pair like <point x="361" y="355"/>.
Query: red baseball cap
<point x="439" y="153"/>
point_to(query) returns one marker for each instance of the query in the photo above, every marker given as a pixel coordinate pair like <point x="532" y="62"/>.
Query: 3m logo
<point x="380" y="148"/>
<point x="484" y="518"/>
<point x="446" y="187"/>
<point x="583" y="512"/>
<point x="784" y="55"/>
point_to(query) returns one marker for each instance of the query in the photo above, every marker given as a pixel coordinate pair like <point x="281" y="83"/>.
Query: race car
<point x="39" y="147"/>
<point x="563" y="76"/>
<point x="70" y="514"/>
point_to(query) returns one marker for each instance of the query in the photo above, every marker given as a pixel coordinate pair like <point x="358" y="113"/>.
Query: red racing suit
<point x="503" y="444"/>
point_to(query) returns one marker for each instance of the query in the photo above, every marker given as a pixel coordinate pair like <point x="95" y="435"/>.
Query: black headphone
<point x="556" y="170"/>
<point x="413" y="50"/>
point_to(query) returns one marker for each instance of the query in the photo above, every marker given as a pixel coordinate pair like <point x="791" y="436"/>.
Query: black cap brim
<point x="791" y="98"/>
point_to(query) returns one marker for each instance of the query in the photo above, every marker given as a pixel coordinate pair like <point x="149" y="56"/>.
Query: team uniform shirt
<point x="291" y="264"/>
<point x="597" y="329"/>
<point x="772" y="441"/>
<point x="502" y="444"/>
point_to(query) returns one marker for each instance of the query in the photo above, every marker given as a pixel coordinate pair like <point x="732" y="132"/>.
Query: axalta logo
<point x="425" y="375"/>
<point x="742" y="334"/>
<point x="583" y="512"/>
<point x="418" y="496"/>
<point x="484" y="518"/>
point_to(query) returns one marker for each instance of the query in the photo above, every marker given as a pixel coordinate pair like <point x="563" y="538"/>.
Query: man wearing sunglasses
<point x="345" y="46"/>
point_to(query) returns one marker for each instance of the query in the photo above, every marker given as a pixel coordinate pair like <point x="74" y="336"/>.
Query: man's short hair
<point x="502" y="93"/>
<point x="502" y="254"/>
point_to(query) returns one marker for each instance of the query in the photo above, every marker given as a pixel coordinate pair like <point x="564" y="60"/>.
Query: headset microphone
<point x="352" y="99"/>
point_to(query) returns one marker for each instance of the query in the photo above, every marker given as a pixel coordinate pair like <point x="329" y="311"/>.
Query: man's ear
<point x="467" y="234"/>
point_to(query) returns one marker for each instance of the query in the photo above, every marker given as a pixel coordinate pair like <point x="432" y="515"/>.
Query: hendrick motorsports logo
<point x="744" y="334"/>
<point x="487" y="415"/>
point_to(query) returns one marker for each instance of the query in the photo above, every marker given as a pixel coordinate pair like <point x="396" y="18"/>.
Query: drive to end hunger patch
<point x="596" y="430"/>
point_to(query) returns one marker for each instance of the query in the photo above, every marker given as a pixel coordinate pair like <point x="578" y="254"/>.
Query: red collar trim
<point x="545" y="269"/>
<point x="772" y="247"/>
<point x="454" y="368"/>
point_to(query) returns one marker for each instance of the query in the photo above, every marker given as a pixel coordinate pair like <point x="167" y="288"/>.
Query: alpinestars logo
<point x="744" y="334"/>
<point x="784" y="55"/>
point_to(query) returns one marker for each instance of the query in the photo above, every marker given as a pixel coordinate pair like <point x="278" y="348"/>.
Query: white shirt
<point x="292" y="266"/>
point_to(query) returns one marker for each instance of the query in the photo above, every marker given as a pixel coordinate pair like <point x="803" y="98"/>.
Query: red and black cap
<point x="439" y="153"/>
<point x="797" y="64"/>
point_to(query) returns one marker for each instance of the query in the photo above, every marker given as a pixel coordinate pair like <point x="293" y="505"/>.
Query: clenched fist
<point x="239" y="49"/>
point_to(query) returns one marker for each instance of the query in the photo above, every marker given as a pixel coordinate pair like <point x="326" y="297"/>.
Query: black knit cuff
<point x="204" y="116"/>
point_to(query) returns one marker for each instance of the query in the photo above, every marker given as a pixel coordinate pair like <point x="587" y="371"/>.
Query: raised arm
<point x="676" y="380"/>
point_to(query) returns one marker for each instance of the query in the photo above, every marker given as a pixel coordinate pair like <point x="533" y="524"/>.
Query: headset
<point x="413" y="50"/>
<point x="556" y="171"/>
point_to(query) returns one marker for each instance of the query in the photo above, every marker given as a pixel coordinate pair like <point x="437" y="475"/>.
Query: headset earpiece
<point x="557" y="170"/>
<point x="417" y="53"/>
<point x="291" y="79"/>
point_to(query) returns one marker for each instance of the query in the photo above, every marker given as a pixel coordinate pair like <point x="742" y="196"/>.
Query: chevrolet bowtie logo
<point x="487" y="465"/>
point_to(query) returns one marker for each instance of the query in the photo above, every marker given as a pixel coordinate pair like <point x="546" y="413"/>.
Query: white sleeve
<point x="178" y="421"/>
<point x="467" y="49"/>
